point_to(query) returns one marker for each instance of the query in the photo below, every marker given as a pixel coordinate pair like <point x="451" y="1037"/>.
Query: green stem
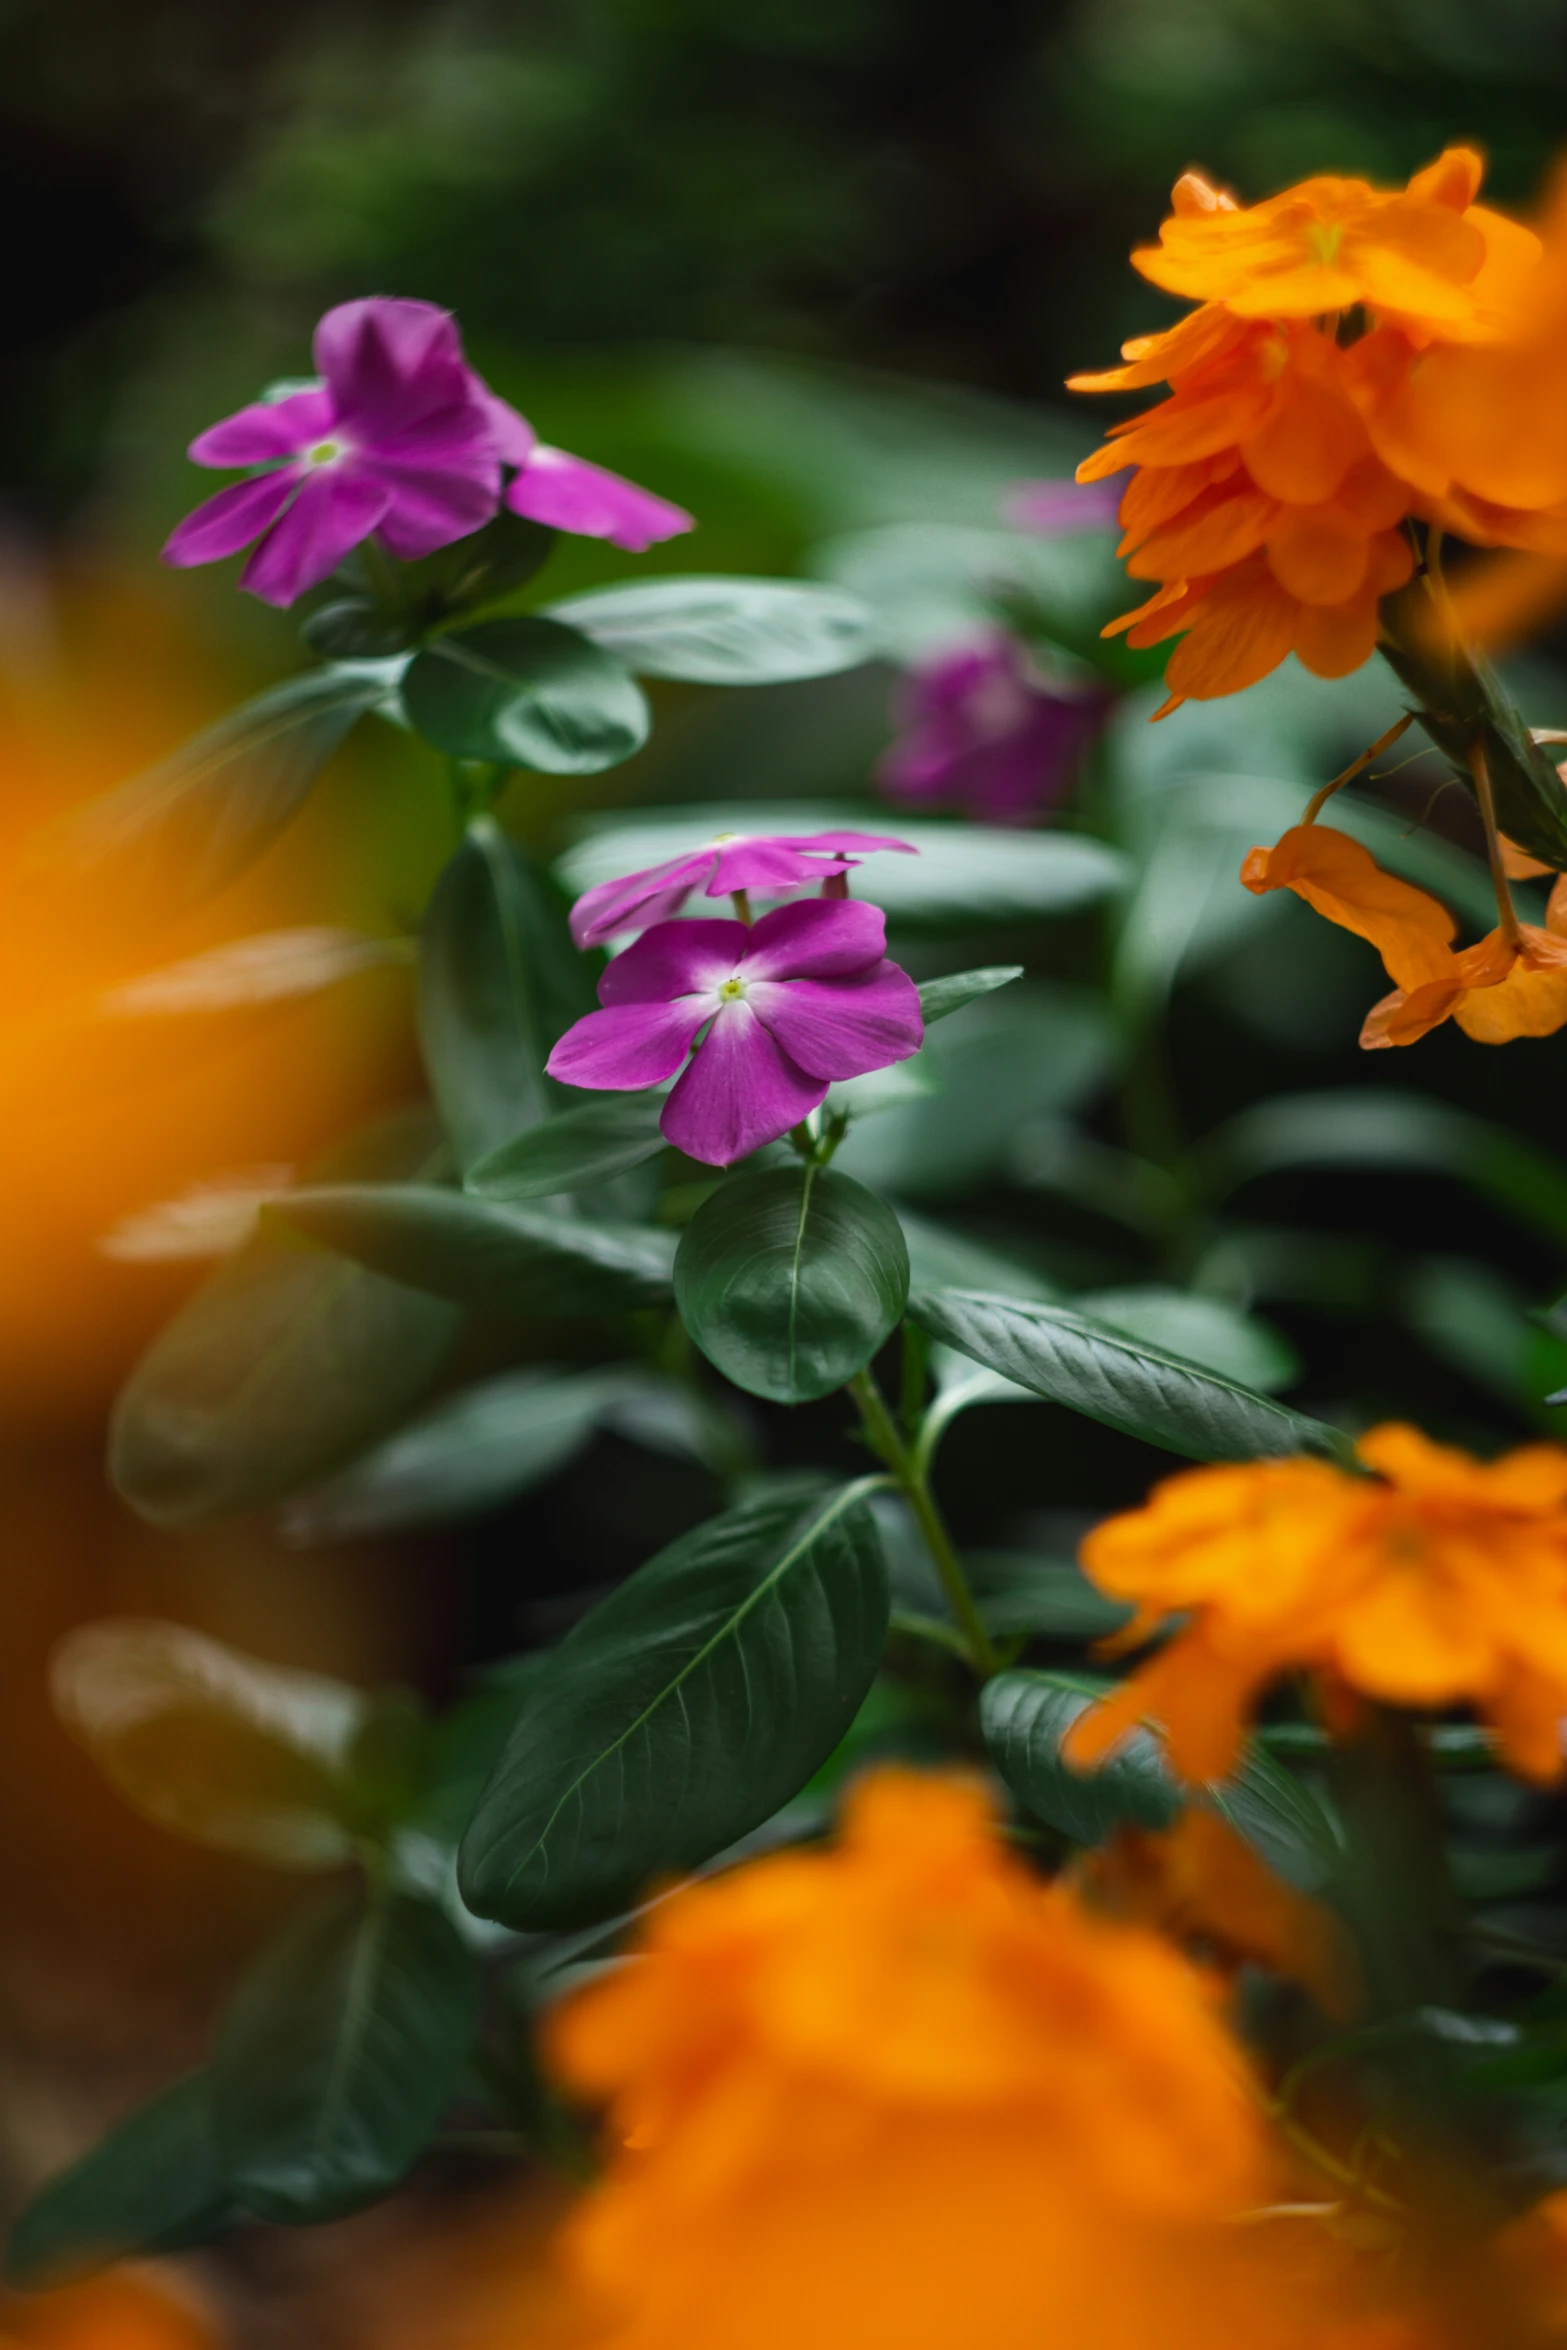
<point x="881" y="1432"/>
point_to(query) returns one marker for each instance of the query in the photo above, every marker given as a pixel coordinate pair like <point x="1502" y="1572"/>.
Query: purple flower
<point x="802" y="997"/>
<point x="766" y="862"/>
<point x="570" y="494"/>
<point x="1055" y="509"/>
<point x="983" y="731"/>
<point x="396" y="440"/>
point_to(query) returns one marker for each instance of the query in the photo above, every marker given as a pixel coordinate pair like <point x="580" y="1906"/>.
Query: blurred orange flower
<point x="1437" y="1580"/>
<point x="125" y="2309"/>
<point x="903" y="2092"/>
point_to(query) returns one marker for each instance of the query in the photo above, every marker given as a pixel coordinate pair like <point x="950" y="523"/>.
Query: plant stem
<point x="1507" y="919"/>
<point x="882" y="1435"/>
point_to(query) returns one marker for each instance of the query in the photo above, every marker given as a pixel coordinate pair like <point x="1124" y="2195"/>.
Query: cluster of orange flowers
<point x="1436" y="1580"/>
<point x="1360" y="356"/>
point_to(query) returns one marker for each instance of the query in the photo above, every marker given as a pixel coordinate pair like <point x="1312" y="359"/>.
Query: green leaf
<point x="1048" y="1598"/>
<point x="231" y="1752"/>
<point x="189" y="826"/>
<point x="1092" y="1369"/>
<point x="938" y="997"/>
<point x="470" y="1453"/>
<point x="683" y="1710"/>
<point x="726" y="631"/>
<point x="1280" y="1819"/>
<point x="153" y="2185"/>
<point x="499" y="983"/>
<point x="572" y="1150"/>
<point x="790" y="1279"/>
<point x="284" y="1362"/>
<point x="337" y="2054"/>
<point x="962" y="873"/>
<point x="1200" y="1329"/>
<point x="526" y="693"/>
<point x="1025" y="1716"/>
<point x="499" y="1259"/>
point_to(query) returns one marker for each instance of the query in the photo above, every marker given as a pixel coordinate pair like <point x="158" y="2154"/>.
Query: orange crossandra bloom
<point x="1268" y="497"/>
<point x="1497" y="990"/>
<point x="1440" y="1580"/>
<point x="901" y="2091"/>
<point x="124" y="2309"/>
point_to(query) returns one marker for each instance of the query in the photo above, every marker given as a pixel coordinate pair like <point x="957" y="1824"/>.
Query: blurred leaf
<point x="1201" y="1329"/>
<point x="526" y="693"/>
<point x="901" y="1082"/>
<point x="1049" y="1598"/>
<point x="790" y="1279"/>
<point x="470" y="1453"/>
<point x="153" y="2185"/>
<point x="963" y="872"/>
<point x="725" y="631"/>
<point x="280" y="1365"/>
<point x="938" y="997"/>
<point x="499" y="983"/>
<point x="190" y="825"/>
<point x="933" y="585"/>
<point x="573" y="1149"/>
<point x="1281" y="1819"/>
<point x="220" y="1747"/>
<point x="683" y="1711"/>
<point x="497" y="1259"/>
<point x="1090" y="1368"/>
<point x="940" y="1258"/>
<point x="1026" y="1715"/>
<point x="337" y="2054"/>
<point x="272" y="967"/>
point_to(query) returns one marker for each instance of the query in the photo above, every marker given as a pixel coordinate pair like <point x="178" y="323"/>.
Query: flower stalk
<point x="885" y="1440"/>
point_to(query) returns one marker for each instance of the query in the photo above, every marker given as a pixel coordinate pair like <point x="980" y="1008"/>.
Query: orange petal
<point x="1342" y="880"/>
<point x="1316" y="553"/>
<point x="1311" y="435"/>
<point x="1241" y="629"/>
<point x="1164" y="614"/>
<point x="1220" y="527"/>
<point x="1530" y="1000"/>
<point x="1518" y="865"/>
<point x="1453" y="179"/>
<point x="1157" y="493"/>
<point x="1405" y="1017"/>
<point x="1334" y="639"/>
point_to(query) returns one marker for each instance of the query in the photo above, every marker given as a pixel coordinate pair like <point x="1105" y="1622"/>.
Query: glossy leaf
<point x="189" y="826"/>
<point x="1048" y="1598"/>
<point x="572" y="1150"/>
<point x="1201" y="1329"/>
<point x="337" y="2054"/>
<point x="939" y="997"/>
<point x="726" y="631"/>
<point x="246" y="1756"/>
<point x="790" y="1279"/>
<point x="1163" y="1398"/>
<point x="1025" y="1716"/>
<point x="1281" y="1819"/>
<point x="152" y="2185"/>
<point x="683" y="1710"/>
<point x="526" y="693"/>
<point x="499" y="982"/>
<point x="481" y="1254"/>
<point x="283" y="1363"/>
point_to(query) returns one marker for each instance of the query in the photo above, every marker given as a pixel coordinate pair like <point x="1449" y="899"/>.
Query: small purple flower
<point x="983" y="731"/>
<point x="568" y="493"/>
<point x="768" y="863"/>
<point x="1057" y="509"/>
<point x="395" y="440"/>
<point x="801" y="998"/>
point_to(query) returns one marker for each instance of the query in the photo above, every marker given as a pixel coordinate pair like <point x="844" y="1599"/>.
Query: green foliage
<point x="725" y="631"/>
<point x="526" y="693"/>
<point x="939" y="997"/>
<point x="572" y="1150"/>
<point x="153" y="2185"/>
<point x="683" y="1710"/>
<point x="790" y="1280"/>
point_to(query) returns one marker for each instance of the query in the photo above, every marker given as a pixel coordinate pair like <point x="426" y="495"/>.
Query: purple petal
<point x="1055" y="508"/>
<point x="570" y="494"/>
<point x="843" y="1027"/>
<point x="231" y="520"/>
<point x="740" y="1091"/>
<point x="437" y="501"/>
<point x="265" y="431"/>
<point x="675" y="959"/>
<point x="334" y="510"/>
<point x="514" y="437"/>
<point x="627" y="1046"/>
<point x="769" y="866"/>
<point x="821" y="938"/>
<point x="387" y="363"/>
<point x="637" y="902"/>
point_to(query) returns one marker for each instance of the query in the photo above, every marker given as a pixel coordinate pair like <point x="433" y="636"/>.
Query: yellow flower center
<point x="731" y="991"/>
<point x="1325" y="241"/>
<point x="324" y="453"/>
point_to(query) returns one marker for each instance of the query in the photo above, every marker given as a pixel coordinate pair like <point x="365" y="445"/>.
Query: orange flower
<point x="1440" y="1580"/>
<point x="904" y="2092"/>
<point x="124" y="2309"/>
<point x="1497" y="990"/>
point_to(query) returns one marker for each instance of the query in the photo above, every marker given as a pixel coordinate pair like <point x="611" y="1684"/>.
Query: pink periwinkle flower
<point x="399" y="439"/>
<point x="770" y="1015"/>
<point x="1058" y="509"/>
<point x="768" y="863"/>
<point x="983" y="731"/>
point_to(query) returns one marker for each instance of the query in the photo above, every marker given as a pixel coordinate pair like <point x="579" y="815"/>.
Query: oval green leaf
<point x="1026" y="1715"/>
<point x="337" y="2054"/>
<point x="1139" y="1389"/>
<point x="683" y="1710"/>
<point x="790" y="1279"/>
<point x="726" y="631"/>
<point x="153" y="2185"/>
<point x="573" y="1150"/>
<point x="526" y="693"/>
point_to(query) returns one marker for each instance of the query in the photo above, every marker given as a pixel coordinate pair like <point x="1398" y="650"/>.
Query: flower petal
<point x="1342" y="880"/>
<point x="224" y="524"/>
<point x="570" y="494"/>
<point x="675" y="959"/>
<point x="265" y="431"/>
<point x="389" y="362"/>
<point x="784" y="860"/>
<point x="515" y="438"/>
<point x="843" y="1027"/>
<point x="436" y="498"/>
<point x="741" y="1090"/>
<point x="628" y="1045"/>
<point x="638" y="900"/>
<point x="335" y="509"/>
<point x="820" y="938"/>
